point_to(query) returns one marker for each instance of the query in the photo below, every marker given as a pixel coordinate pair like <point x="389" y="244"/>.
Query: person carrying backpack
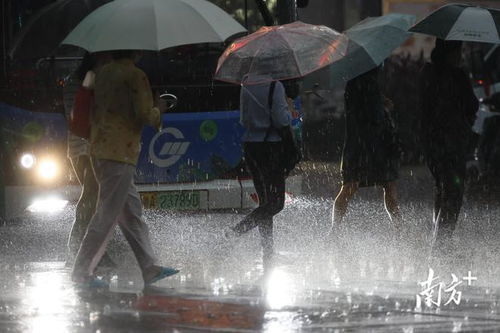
<point x="269" y="151"/>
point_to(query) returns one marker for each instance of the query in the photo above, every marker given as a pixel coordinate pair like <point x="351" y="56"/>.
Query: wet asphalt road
<point x="365" y="281"/>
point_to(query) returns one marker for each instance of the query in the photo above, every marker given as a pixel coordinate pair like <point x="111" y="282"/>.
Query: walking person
<point x="371" y="150"/>
<point x="448" y="106"/>
<point x="267" y="120"/>
<point x="79" y="155"/>
<point x="123" y="105"/>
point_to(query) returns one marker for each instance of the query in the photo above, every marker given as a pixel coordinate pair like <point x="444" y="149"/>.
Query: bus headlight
<point x="27" y="161"/>
<point x="48" y="169"/>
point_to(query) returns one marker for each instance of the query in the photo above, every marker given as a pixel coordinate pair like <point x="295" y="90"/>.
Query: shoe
<point x="92" y="283"/>
<point x="163" y="273"/>
<point x="106" y="267"/>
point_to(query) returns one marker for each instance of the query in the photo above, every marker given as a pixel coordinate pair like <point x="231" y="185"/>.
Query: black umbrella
<point x="46" y="29"/>
<point x="468" y="23"/>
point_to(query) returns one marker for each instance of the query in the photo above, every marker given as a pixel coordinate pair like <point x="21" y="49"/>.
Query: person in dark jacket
<point x="488" y="150"/>
<point x="448" y="108"/>
<point x="488" y="153"/>
<point x="371" y="149"/>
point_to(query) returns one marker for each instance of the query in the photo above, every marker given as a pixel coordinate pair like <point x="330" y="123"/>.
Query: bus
<point x="194" y="162"/>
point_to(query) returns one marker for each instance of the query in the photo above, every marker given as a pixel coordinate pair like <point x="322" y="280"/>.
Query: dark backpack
<point x="291" y="152"/>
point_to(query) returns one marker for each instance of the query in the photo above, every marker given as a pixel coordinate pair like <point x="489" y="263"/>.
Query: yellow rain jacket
<point x="123" y="105"/>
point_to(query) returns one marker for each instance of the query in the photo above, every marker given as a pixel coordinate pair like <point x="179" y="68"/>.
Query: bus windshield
<point x="187" y="71"/>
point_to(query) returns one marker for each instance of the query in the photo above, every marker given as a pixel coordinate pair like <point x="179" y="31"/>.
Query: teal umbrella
<point x="370" y="42"/>
<point x="152" y="25"/>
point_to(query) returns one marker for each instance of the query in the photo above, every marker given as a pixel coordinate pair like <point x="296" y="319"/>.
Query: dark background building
<point x="339" y="14"/>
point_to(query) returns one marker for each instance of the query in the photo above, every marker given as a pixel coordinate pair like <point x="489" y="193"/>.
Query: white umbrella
<point x="462" y="22"/>
<point x="152" y="25"/>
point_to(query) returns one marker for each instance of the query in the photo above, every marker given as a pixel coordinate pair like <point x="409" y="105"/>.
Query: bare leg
<point x="341" y="202"/>
<point x="391" y="204"/>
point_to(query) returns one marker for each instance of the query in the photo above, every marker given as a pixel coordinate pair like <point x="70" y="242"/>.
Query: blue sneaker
<point x="92" y="283"/>
<point x="163" y="273"/>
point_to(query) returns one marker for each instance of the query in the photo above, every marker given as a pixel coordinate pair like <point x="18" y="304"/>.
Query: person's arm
<point x="142" y="99"/>
<point x="243" y="105"/>
<point x="70" y="88"/>
<point x="89" y="80"/>
<point x="486" y="141"/>
<point x="282" y="118"/>
<point x="280" y="113"/>
<point x="471" y="103"/>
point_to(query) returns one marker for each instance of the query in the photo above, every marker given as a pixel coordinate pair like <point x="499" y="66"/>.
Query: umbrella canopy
<point x="152" y="25"/>
<point x="281" y="52"/>
<point x="462" y="22"/>
<point x="44" y="32"/>
<point x="370" y="42"/>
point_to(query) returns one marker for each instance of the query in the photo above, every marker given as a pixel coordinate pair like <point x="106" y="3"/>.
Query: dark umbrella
<point x="45" y="31"/>
<point x="469" y="23"/>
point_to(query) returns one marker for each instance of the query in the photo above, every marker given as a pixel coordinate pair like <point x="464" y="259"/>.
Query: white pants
<point x="118" y="203"/>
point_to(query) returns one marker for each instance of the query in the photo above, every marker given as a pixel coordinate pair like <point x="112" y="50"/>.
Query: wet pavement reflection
<point x="361" y="278"/>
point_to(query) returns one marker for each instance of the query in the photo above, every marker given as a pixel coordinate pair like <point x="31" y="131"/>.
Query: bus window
<point x="187" y="71"/>
<point x="247" y="12"/>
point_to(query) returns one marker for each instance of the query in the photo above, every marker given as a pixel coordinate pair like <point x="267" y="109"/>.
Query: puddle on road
<point x="365" y="280"/>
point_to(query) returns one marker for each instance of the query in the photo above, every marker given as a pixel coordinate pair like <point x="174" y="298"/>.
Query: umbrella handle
<point x="170" y="99"/>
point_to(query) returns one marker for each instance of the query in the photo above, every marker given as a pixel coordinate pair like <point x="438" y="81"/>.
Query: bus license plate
<point x="174" y="200"/>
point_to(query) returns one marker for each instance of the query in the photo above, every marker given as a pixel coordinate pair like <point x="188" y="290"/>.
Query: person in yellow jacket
<point x="123" y="105"/>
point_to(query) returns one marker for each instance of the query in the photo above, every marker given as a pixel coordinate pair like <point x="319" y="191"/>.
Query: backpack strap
<point x="270" y="104"/>
<point x="271" y="94"/>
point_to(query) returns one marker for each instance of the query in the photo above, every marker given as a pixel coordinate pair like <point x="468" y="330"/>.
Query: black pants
<point x="265" y="163"/>
<point x="449" y="176"/>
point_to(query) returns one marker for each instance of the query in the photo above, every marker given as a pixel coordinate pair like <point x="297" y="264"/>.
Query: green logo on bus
<point x="33" y="131"/>
<point x="208" y="130"/>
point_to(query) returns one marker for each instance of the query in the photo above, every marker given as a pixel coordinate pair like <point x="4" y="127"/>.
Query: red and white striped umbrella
<point x="281" y="52"/>
<point x="462" y="22"/>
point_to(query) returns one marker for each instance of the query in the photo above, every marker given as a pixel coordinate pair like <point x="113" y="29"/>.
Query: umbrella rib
<point x="325" y="40"/>
<point x="255" y="56"/>
<point x="156" y="26"/>
<point x="256" y="52"/>
<point x="294" y="55"/>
